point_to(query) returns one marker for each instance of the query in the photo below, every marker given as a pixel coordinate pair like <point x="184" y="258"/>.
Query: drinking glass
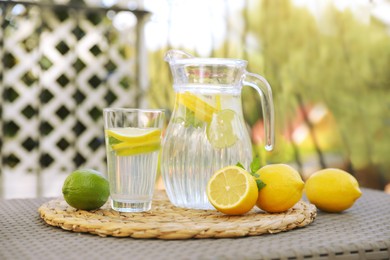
<point x="133" y="139"/>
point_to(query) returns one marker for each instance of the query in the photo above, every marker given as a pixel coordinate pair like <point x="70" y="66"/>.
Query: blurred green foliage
<point x="335" y="60"/>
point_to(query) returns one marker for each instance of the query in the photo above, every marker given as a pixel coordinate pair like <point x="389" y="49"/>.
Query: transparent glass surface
<point x="207" y="130"/>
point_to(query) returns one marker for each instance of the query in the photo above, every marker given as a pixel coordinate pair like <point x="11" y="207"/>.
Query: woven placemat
<point x="165" y="221"/>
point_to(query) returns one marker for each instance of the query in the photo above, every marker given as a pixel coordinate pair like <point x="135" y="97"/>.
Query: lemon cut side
<point x="221" y="132"/>
<point x="232" y="190"/>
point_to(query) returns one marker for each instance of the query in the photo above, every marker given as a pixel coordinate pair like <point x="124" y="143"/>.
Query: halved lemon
<point x="202" y="110"/>
<point x="232" y="190"/>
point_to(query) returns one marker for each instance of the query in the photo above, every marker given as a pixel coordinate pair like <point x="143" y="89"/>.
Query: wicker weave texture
<point x="166" y="221"/>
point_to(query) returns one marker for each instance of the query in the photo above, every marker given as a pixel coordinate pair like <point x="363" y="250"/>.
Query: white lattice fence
<point x="61" y="67"/>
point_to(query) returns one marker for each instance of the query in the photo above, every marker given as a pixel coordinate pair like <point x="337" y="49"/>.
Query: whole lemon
<point x="332" y="190"/>
<point x="283" y="188"/>
<point x="85" y="189"/>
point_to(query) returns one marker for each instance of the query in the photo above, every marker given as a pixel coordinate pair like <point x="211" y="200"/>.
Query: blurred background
<point x="62" y="62"/>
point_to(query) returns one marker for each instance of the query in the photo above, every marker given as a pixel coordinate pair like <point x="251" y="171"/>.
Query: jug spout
<point x="173" y="55"/>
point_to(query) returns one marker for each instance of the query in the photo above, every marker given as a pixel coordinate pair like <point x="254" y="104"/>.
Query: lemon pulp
<point x="232" y="190"/>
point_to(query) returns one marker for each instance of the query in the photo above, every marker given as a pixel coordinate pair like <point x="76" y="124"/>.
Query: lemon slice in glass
<point x="133" y="134"/>
<point x="134" y="150"/>
<point x="232" y="190"/>
<point x="131" y="141"/>
<point x="221" y="130"/>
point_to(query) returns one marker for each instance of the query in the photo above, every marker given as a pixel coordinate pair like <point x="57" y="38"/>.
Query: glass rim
<point x="125" y="109"/>
<point x="210" y="61"/>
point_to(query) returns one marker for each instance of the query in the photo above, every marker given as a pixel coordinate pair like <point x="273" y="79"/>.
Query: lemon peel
<point x="283" y="188"/>
<point x="132" y="141"/>
<point x="202" y="110"/>
<point x="332" y="190"/>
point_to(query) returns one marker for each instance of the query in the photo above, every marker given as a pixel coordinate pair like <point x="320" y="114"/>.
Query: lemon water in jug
<point x="207" y="130"/>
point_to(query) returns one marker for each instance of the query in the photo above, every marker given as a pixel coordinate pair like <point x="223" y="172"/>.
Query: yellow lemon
<point x="202" y="110"/>
<point x="86" y="189"/>
<point x="232" y="190"/>
<point x="332" y="190"/>
<point x="131" y="140"/>
<point x="283" y="188"/>
<point x="221" y="130"/>
<point x="133" y="134"/>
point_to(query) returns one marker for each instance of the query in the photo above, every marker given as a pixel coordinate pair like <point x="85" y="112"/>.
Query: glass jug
<point x="207" y="130"/>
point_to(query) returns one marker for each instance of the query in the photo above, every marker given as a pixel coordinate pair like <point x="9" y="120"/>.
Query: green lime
<point x="86" y="189"/>
<point x="220" y="131"/>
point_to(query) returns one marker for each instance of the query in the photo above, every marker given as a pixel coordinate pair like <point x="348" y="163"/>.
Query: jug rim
<point x="131" y="109"/>
<point x="209" y="61"/>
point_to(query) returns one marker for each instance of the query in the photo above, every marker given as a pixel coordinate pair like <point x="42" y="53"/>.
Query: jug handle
<point x="264" y="89"/>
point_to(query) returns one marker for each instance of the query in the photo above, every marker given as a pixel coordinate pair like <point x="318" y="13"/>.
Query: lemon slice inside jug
<point x="201" y="108"/>
<point x="221" y="132"/>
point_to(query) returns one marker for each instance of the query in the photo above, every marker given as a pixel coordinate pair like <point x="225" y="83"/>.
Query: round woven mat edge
<point x="166" y="221"/>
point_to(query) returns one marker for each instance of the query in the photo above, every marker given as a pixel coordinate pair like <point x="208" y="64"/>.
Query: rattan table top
<point x="362" y="232"/>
